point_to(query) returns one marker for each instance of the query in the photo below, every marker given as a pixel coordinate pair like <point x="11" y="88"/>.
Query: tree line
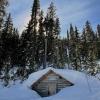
<point x="40" y="45"/>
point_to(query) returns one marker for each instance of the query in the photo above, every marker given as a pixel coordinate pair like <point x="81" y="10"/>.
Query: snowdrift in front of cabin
<point x="85" y="87"/>
<point x="17" y="92"/>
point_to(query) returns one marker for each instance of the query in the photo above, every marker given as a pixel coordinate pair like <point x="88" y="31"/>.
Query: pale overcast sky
<point x="69" y="11"/>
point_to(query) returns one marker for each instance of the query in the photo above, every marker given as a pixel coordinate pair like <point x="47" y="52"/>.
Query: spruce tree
<point x="84" y="50"/>
<point x="7" y="37"/>
<point x="89" y="32"/>
<point x="72" y="45"/>
<point x="41" y="41"/>
<point x="57" y="27"/>
<point x="3" y="5"/>
<point x="7" y="49"/>
<point x="50" y="21"/>
<point x="88" y="49"/>
<point x="56" y="43"/>
<point x="29" y="38"/>
<point x="72" y="34"/>
<point x="74" y="48"/>
<point x="77" y="60"/>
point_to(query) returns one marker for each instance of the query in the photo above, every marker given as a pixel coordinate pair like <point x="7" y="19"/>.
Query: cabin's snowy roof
<point x="77" y="78"/>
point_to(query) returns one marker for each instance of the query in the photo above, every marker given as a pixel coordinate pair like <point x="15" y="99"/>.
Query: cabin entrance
<point x="52" y="87"/>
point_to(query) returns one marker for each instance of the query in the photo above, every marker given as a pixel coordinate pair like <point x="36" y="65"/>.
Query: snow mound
<point x="85" y="87"/>
<point x="77" y="78"/>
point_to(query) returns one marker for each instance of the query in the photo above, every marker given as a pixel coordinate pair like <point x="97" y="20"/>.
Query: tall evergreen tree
<point x="29" y="38"/>
<point x="7" y="37"/>
<point x="74" y="48"/>
<point x="89" y="49"/>
<point x="72" y="44"/>
<point x="77" y="60"/>
<point x="40" y="41"/>
<point x="50" y="31"/>
<point x="3" y="4"/>
<point x="6" y="45"/>
<point x="57" y="30"/>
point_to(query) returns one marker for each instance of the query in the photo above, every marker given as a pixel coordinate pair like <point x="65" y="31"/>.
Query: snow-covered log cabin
<point x="50" y="83"/>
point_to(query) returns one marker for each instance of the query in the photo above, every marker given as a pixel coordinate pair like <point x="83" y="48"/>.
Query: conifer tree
<point x="7" y="37"/>
<point x="56" y="43"/>
<point x="29" y="38"/>
<point x="7" y="49"/>
<point x="72" y="33"/>
<point x="89" y="32"/>
<point x="89" y="49"/>
<point x="3" y="5"/>
<point x="77" y="60"/>
<point x="72" y="45"/>
<point x="57" y="29"/>
<point x="41" y="41"/>
<point x="50" y="31"/>
<point x="74" y="48"/>
<point x="84" y="49"/>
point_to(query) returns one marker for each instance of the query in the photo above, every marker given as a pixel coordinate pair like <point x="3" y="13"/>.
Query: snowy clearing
<point x="83" y="89"/>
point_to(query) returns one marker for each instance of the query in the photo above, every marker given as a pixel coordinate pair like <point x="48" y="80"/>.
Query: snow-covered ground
<point x="85" y="87"/>
<point x="17" y="92"/>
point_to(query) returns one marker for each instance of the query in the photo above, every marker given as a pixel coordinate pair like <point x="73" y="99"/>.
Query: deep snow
<point x="17" y="92"/>
<point x="85" y="87"/>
